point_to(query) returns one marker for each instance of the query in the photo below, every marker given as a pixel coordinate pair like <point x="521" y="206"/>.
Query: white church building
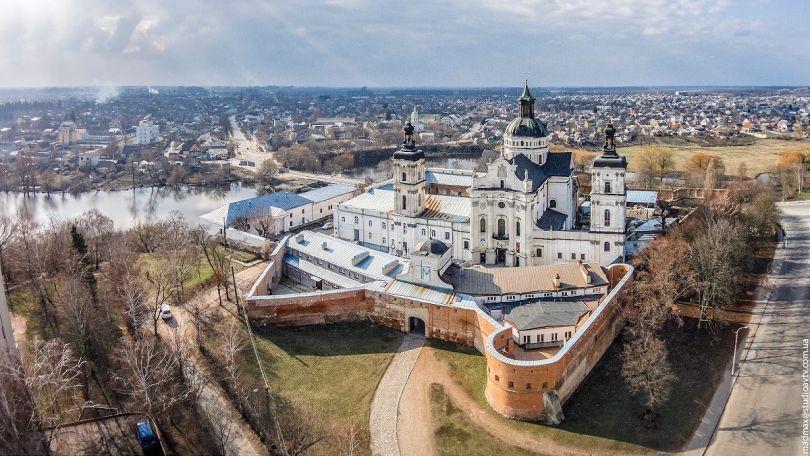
<point x="518" y="208"/>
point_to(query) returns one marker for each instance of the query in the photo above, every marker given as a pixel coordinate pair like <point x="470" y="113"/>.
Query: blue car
<point x="146" y="435"/>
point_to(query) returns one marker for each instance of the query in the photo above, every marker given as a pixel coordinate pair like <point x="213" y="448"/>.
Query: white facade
<point x="521" y="211"/>
<point x="147" y="132"/>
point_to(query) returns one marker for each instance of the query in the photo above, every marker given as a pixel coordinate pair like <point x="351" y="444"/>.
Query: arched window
<point x="607" y="246"/>
<point x="552" y="204"/>
<point x="607" y="217"/>
<point x="607" y="187"/>
<point x="483" y="225"/>
<point x="517" y="227"/>
<point x="501" y="227"/>
<point x="356" y="220"/>
<point x="501" y="183"/>
<point x="404" y="206"/>
<point x="404" y="178"/>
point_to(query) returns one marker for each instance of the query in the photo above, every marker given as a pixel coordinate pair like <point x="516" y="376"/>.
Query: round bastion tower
<point x="525" y="134"/>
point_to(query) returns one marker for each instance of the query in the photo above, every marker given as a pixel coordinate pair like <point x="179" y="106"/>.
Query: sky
<point x="382" y="43"/>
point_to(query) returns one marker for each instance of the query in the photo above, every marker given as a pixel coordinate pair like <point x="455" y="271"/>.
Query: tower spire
<point x="526" y="102"/>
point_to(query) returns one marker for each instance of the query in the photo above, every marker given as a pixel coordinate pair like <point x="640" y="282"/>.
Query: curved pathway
<point x="385" y="405"/>
<point x="417" y="437"/>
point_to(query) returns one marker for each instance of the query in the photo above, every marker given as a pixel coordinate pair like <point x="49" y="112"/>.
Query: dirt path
<point x="225" y="420"/>
<point x="415" y="413"/>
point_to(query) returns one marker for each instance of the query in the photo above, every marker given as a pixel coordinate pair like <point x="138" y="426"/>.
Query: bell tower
<point x="409" y="177"/>
<point x="608" y="201"/>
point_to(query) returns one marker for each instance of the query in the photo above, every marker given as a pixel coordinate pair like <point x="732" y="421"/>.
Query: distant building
<point x="147" y="132"/>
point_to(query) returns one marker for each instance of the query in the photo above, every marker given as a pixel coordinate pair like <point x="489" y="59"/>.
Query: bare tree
<point x="160" y="286"/>
<point x="223" y="428"/>
<point x="216" y="259"/>
<point x="296" y="430"/>
<point x="7" y="227"/>
<point x="52" y="377"/>
<point x="18" y="431"/>
<point x="647" y="371"/>
<point x="148" y="235"/>
<point x="231" y="343"/>
<point x="181" y="263"/>
<point x="149" y="374"/>
<point x="133" y="297"/>
<point x="98" y="228"/>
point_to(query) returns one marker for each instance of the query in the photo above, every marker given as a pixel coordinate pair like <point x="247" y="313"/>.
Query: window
<point x="343" y="219"/>
<point x="501" y="205"/>
<point x="552" y="204"/>
<point x="553" y="337"/>
<point x="510" y="384"/>
<point x="369" y="234"/>
<point x="423" y="231"/>
<point x="383" y="225"/>
<point x="302" y="211"/>
<point x="483" y="225"/>
<point x="404" y="177"/>
<point x="526" y="339"/>
<point x="291" y="222"/>
<point x="466" y="245"/>
<point x="539" y="338"/>
<point x="528" y="386"/>
<point x="582" y="256"/>
<point x="501" y="183"/>
<point x="447" y="236"/>
<point x="538" y="252"/>
<point x="383" y="240"/>
<point x="501" y="227"/>
<point x="432" y="234"/>
<point x="607" y="217"/>
<point x="357" y="220"/>
<point x="607" y="246"/>
<point x="567" y="335"/>
<point x="573" y="256"/>
<point x="403" y="202"/>
<point x="559" y="255"/>
<point x="321" y="210"/>
<point x="607" y="187"/>
<point x="517" y="228"/>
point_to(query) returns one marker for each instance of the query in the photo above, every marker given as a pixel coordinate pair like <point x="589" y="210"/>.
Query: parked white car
<point x="165" y="312"/>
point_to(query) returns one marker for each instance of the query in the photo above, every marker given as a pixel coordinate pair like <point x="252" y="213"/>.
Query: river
<point x="126" y="207"/>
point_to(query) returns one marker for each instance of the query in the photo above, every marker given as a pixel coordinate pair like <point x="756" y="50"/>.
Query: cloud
<point x="388" y="43"/>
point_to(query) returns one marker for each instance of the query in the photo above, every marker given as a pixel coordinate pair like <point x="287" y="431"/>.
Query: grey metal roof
<point x="449" y="177"/>
<point x="545" y="314"/>
<point x="642" y="196"/>
<point x="347" y="255"/>
<point x="551" y="220"/>
<point x="556" y="164"/>
<point x="326" y="193"/>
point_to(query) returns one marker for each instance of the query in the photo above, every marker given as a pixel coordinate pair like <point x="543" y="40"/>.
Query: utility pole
<point x="734" y="356"/>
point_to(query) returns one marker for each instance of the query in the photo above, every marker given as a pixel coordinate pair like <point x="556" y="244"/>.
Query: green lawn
<point x="456" y="435"/>
<point x="330" y="370"/>
<point x="603" y="413"/>
<point x="803" y="196"/>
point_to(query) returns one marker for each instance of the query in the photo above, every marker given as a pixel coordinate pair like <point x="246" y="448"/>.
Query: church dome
<point x="526" y="126"/>
<point x="431" y="247"/>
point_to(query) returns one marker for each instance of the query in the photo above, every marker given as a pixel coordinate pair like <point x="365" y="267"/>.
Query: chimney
<point x="299" y="238"/>
<point x="557" y="281"/>
<point x="586" y="273"/>
<point x="323" y="246"/>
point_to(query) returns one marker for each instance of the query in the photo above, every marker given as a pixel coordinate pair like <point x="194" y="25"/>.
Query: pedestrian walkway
<point x="385" y="405"/>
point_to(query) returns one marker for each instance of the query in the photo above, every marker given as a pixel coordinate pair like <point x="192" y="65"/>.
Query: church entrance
<point x="416" y="325"/>
<point x="500" y="256"/>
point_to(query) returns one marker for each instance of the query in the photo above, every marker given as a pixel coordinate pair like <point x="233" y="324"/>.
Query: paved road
<point x="764" y="412"/>
<point x="249" y="149"/>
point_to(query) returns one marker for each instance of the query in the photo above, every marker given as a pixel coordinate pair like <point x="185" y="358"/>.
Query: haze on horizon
<point x="384" y="43"/>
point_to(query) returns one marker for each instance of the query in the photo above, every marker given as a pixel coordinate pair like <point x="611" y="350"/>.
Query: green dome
<point x="526" y="126"/>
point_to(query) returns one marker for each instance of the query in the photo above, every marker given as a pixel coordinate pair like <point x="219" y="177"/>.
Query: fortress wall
<point x="309" y="308"/>
<point x="514" y="388"/>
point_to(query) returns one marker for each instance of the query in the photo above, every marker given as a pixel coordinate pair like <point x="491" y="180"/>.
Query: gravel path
<point x="385" y="405"/>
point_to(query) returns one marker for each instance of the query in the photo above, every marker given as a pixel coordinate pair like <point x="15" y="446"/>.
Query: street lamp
<point x="734" y="356"/>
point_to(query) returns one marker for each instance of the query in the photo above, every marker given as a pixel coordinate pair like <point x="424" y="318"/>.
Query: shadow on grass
<point x="604" y="406"/>
<point x="334" y="339"/>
